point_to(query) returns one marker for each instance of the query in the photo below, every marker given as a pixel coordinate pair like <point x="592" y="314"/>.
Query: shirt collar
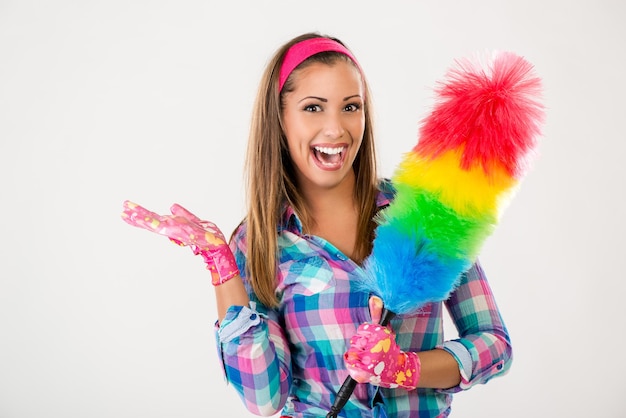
<point x="290" y="221"/>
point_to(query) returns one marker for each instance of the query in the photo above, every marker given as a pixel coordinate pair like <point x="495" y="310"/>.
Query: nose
<point x="333" y="127"/>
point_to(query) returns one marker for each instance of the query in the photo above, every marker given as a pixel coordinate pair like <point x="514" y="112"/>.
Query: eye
<point x="352" y="107"/>
<point x="312" y="108"/>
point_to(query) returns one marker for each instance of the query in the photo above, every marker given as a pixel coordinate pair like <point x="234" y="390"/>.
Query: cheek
<point x="357" y="129"/>
<point x="290" y="126"/>
<point x="298" y="129"/>
<point x="357" y="123"/>
<point x="297" y="145"/>
<point x="292" y="145"/>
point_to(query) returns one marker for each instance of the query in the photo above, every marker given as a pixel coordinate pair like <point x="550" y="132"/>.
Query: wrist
<point x="220" y="262"/>
<point x="404" y="371"/>
<point x="412" y="370"/>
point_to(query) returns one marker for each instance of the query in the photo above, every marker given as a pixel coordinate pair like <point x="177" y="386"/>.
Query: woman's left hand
<point x="375" y="357"/>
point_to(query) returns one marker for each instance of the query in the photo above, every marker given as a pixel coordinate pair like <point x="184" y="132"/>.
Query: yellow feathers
<point x="468" y="192"/>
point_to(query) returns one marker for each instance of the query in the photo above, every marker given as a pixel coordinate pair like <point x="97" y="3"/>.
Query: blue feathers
<point x="404" y="275"/>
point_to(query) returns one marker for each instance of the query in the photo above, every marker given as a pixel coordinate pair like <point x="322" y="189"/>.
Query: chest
<point x="340" y="231"/>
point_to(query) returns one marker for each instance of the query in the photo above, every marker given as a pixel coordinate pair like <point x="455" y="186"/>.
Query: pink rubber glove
<point x="184" y="228"/>
<point x="375" y="357"/>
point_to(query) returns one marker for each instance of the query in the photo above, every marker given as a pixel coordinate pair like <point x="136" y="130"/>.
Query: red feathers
<point x="491" y="113"/>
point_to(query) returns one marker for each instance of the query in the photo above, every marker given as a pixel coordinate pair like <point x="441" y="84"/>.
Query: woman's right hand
<point x="186" y="229"/>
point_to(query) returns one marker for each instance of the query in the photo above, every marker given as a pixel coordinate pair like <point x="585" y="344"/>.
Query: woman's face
<point x="324" y="121"/>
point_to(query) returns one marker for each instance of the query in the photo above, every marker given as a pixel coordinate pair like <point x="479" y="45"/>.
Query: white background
<point x="102" y="101"/>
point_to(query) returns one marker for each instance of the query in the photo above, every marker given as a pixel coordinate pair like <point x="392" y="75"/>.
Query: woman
<point x="287" y="295"/>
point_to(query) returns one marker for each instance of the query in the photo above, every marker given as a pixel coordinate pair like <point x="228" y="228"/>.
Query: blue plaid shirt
<point x="290" y="358"/>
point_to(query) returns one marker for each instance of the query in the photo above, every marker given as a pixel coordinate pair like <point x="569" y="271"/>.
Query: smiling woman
<point x="289" y="289"/>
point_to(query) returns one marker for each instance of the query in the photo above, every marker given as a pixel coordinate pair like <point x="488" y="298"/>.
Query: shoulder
<point x="386" y="192"/>
<point x="238" y="238"/>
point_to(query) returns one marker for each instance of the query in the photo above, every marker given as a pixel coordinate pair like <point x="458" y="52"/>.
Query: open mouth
<point x="329" y="157"/>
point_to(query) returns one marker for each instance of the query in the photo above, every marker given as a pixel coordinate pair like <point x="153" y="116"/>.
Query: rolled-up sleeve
<point x="483" y="349"/>
<point x="255" y="359"/>
<point x="254" y="353"/>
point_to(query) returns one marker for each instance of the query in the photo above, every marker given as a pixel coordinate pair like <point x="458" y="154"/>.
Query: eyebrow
<point x="321" y="99"/>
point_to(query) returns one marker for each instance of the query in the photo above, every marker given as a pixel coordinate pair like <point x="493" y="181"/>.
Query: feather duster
<point x="473" y="150"/>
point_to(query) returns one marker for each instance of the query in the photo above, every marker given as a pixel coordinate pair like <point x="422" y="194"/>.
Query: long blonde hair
<point x="271" y="181"/>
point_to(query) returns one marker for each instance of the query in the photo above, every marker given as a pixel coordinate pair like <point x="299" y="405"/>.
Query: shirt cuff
<point x="237" y="321"/>
<point x="463" y="357"/>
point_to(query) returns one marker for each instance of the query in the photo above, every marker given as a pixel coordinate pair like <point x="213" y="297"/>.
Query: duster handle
<point x="386" y="316"/>
<point x="349" y="384"/>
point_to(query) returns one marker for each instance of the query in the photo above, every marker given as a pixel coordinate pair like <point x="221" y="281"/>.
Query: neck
<point x="333" y="215"/>
<point x="320" y="201"/>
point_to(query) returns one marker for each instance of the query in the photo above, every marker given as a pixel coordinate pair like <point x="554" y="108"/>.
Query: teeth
<point x="329" y="150"/>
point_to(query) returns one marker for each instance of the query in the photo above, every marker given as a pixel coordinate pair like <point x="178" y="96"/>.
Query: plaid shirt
<point x="291" y="357"/>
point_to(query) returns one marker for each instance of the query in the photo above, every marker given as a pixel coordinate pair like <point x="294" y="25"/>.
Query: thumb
<point x="178" y="210"/>
<point x="376" y="308"/>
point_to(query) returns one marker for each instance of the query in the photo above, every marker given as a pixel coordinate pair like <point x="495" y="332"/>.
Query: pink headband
<point x="305" y="49"/>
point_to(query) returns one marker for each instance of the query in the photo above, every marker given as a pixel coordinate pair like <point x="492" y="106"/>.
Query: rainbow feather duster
<point x="452" y="187"/>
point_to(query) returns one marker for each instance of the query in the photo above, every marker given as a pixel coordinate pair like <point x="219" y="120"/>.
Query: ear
<point x="376" y="308"/>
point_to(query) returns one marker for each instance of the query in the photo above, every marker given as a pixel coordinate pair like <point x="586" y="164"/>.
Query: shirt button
<point x="341" y="256"/>
<point x="253" y="317"/>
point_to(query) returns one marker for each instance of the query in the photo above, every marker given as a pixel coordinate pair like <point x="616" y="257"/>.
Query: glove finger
<point x="360" y="366"/>
<point x="212" y="236"/>
<point x="359" y="375"/>
<point x="138" y="216"/>
<point x="178" y="210"/>
<point x="359" y="340"/>
<point x="376" y="308"/>
<point x="364" y="334"/>
<point x="213" y="229"/>
<point x="352" y="358"/>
